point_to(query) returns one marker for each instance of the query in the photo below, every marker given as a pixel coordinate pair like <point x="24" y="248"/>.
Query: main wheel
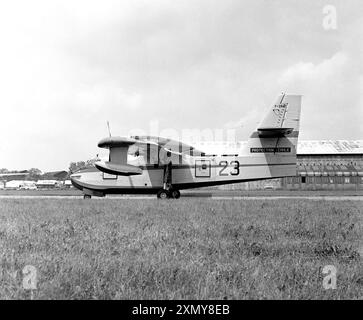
<point x="87" y="196"/>
<point x="163" y="194"/>
<point x="175" y="194"/>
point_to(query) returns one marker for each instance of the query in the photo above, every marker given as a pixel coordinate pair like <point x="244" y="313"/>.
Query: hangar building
<point x="328" y="164"/>
<point x="321" y="165"/>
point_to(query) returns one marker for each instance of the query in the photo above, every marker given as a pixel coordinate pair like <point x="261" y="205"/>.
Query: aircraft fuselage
<point x="193" y="173"/>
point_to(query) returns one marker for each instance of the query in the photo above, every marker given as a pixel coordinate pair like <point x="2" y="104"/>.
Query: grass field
<point x="202" y="192"/>
<point x="194" y="248"/>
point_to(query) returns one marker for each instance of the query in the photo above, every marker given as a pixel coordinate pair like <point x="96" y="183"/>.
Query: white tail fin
<point x="283" y="117"/>
<point x="275" y="139"/>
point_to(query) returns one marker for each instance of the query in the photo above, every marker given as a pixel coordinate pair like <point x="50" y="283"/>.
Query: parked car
<point x="28" y="186"/>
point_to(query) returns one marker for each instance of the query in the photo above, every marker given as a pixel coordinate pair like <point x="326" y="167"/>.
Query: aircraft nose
<point x="75" y="175"/>
<point x="74" y="179"/>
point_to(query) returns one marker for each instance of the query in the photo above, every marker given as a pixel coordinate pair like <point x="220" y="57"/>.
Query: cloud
<point x="307" y="72"/>
<point x="106" y="95"/>
<point x="331" y="96"/>
<point x="69" y="66"/>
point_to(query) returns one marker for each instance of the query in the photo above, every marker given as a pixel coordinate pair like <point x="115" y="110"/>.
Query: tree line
<point x="36" y="174"/>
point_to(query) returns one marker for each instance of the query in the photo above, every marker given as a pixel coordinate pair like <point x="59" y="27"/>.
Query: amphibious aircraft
<point x="161" y="166"/>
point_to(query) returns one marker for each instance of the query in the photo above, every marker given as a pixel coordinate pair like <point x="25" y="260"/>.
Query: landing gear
<point x="175" y="194"/>
<point x="168" y="191"/>
<point x="86" y="196"/>
<point x="168" y="194"/>
<point x="163" y="194"/>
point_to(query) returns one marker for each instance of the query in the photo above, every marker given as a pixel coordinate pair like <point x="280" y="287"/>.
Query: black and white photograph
<point x="181" y="155"/>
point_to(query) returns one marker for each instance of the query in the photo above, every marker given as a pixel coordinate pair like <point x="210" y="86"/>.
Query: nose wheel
<point x="86" y="196"/>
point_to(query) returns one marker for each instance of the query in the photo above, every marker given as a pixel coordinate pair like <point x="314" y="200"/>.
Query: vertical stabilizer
<point x="275" y="139"/>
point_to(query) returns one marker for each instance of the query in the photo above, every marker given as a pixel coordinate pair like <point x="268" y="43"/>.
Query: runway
<point x="211" y="197"/>
<point x="327" y="198"/>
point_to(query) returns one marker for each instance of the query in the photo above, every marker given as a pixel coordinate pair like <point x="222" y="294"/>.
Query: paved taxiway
<point x="212" y="197"/>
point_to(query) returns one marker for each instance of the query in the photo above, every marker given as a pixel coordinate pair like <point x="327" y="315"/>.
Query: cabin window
<point x="303" y="179"/>
<point x="152" y="155"/>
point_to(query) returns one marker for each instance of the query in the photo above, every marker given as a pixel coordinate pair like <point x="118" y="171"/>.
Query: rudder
<point x="275" y="139"/>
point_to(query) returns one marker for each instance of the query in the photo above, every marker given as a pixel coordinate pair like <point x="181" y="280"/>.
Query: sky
<point x="157" y="66"/>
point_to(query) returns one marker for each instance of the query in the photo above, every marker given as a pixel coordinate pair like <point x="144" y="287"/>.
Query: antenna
<point x="283" y="96"/>
<point x="109" y="130"/>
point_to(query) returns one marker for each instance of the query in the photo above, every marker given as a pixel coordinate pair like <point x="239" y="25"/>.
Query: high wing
<point x="120" y="147"/>
<point x="170" y="145"/>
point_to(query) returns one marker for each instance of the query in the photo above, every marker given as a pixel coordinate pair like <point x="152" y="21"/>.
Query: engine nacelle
<point x="117" y="169"/>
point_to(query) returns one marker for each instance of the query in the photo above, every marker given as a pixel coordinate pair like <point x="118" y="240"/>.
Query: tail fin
<point x="275" y="139"/>
<point x="280" y="126"/>
<point x="283" y="118"/>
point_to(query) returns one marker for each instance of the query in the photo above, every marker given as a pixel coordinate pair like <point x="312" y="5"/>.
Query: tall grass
<point x="184" y="249"/>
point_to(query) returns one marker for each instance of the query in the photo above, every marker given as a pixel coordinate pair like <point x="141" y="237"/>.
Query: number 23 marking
<point x="224" y="164"/>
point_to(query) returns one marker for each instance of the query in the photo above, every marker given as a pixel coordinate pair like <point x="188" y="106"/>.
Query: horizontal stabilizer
<point x="274" y="132"/>
<point x="117" y="169"/>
